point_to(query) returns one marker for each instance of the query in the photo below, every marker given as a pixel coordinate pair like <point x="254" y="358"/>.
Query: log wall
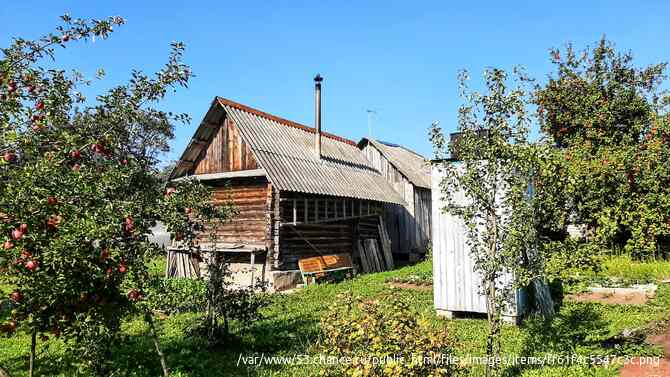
<point x="253" y="200"/>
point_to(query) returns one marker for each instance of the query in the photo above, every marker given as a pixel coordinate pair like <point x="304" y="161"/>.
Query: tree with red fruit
<point x="609" y="120"/>
<point x="79" y="191"/>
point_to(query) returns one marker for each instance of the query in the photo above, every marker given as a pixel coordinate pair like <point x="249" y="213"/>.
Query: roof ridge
<point x="400" y="146"/>
<point x="285" y="122"/>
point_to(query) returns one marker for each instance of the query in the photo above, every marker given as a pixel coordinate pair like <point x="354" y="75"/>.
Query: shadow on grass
<point x="576" y="329"/>
<point x="187" y="354"/>
<point x="192" y="356"/>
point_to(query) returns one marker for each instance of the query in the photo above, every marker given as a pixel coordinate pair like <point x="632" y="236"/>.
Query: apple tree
<point x="608" y="119"/>
<point x="79" y="191"/>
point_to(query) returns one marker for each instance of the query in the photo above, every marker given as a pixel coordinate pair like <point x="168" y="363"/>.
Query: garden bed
<point x="635" y="295"/>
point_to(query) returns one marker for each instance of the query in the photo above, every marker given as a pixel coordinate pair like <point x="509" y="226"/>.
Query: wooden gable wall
<point x="226" y="152"/>
<point x="408" y="225"/>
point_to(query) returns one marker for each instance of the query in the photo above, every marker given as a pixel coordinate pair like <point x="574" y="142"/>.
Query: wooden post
<point x="295" y="212"/>
<point x="306" y="212"/>
<point x="276" y="228"/>
<point x="253" y="268"/>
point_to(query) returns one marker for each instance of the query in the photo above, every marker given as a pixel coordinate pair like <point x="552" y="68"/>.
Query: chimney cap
<point x="318" y="78"/>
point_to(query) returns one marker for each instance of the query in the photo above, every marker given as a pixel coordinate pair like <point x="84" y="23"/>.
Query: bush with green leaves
<point x="177" y="295"/>
<point x="383" y="337"/>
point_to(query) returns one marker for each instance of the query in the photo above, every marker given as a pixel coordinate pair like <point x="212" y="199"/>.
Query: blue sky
<point x="398" y="58"/>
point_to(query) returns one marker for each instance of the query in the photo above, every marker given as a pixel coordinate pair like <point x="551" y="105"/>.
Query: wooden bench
<point x="325" y="267"/>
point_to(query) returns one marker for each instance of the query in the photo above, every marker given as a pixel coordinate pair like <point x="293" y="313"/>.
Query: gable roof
<point x="411" y="164"/>
<point x="284" y="149"/>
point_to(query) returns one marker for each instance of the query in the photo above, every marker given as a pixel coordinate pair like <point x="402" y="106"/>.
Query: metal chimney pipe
<point x="317" y="114"/>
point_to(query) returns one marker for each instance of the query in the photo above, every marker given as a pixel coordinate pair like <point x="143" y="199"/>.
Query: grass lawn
<point x="291" y="327"/>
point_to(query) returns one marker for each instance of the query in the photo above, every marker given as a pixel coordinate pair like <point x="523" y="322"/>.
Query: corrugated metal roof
<point x="411" y="164"/>
<point x="285" y="150"/>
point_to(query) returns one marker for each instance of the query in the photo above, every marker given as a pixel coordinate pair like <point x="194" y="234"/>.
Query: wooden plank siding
<point x="409" y="226"/>
<point x="226" y="152"/>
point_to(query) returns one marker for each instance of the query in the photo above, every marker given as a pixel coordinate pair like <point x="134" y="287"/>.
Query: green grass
<point x="292" y="327"/>
<point x="621" y="271"/>
<point x="625" y="268"/>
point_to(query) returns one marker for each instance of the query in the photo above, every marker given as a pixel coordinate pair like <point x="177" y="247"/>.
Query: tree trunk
<point x="493" y="339"/>
<point x="493" y="310"/>
<point x="33" y="344"/>
<point x="154" y="336"/>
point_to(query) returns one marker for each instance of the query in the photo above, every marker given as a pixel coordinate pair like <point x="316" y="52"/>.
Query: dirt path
<point x="419" y="287"/>
<point x="643" y="367"/>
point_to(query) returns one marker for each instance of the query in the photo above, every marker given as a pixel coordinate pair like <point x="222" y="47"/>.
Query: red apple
<point x="130" y="224"/>
<point x="16" y="296"/>
<point x="75" y="154"/>
<point x="97" y="148"/>
<point x="52" y="201"/>
<point x="8" y="245"/>
<point x="31" y="265"/>
<point x="17" y="234"/>
<point x="66" y="37"/>
<point x="54" y="221"/>
<point x="134" y="295"/>
<point x="23" y="227"/>
<point x="11" y="325"/>
<point x="104" y="254"/>
<point x="39" y="105"/>
<point x="9" y="156"/>
<point x="170" y="190"/>
<point x="124" y="162"/>
<point x="123" y="268"/>
<point x="25" y="254"/>
<point x="76" y="167"/>
<point x="11" y="87"/>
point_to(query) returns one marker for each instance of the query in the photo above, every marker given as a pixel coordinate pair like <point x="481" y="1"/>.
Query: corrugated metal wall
<point x="456" y="285"/>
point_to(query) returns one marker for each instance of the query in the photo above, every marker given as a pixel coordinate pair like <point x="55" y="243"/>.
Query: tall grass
<point x="624" y="267"/>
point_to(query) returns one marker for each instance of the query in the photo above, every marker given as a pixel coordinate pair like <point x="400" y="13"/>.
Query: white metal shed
<point x="456" y="284"/>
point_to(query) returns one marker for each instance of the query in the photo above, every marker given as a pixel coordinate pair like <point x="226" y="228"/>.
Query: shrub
<point x="177" y="295"/>
<point x="383" y="338"/>
<point x="571" y="259"/>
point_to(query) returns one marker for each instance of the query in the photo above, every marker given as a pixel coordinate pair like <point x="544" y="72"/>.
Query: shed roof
<point x="285" y="150"/>
<point x="411" y="164"/>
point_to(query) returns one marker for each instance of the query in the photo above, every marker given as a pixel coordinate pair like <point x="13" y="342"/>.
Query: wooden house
<point x="300" y="192"/>
<point x="408" y="172"/>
